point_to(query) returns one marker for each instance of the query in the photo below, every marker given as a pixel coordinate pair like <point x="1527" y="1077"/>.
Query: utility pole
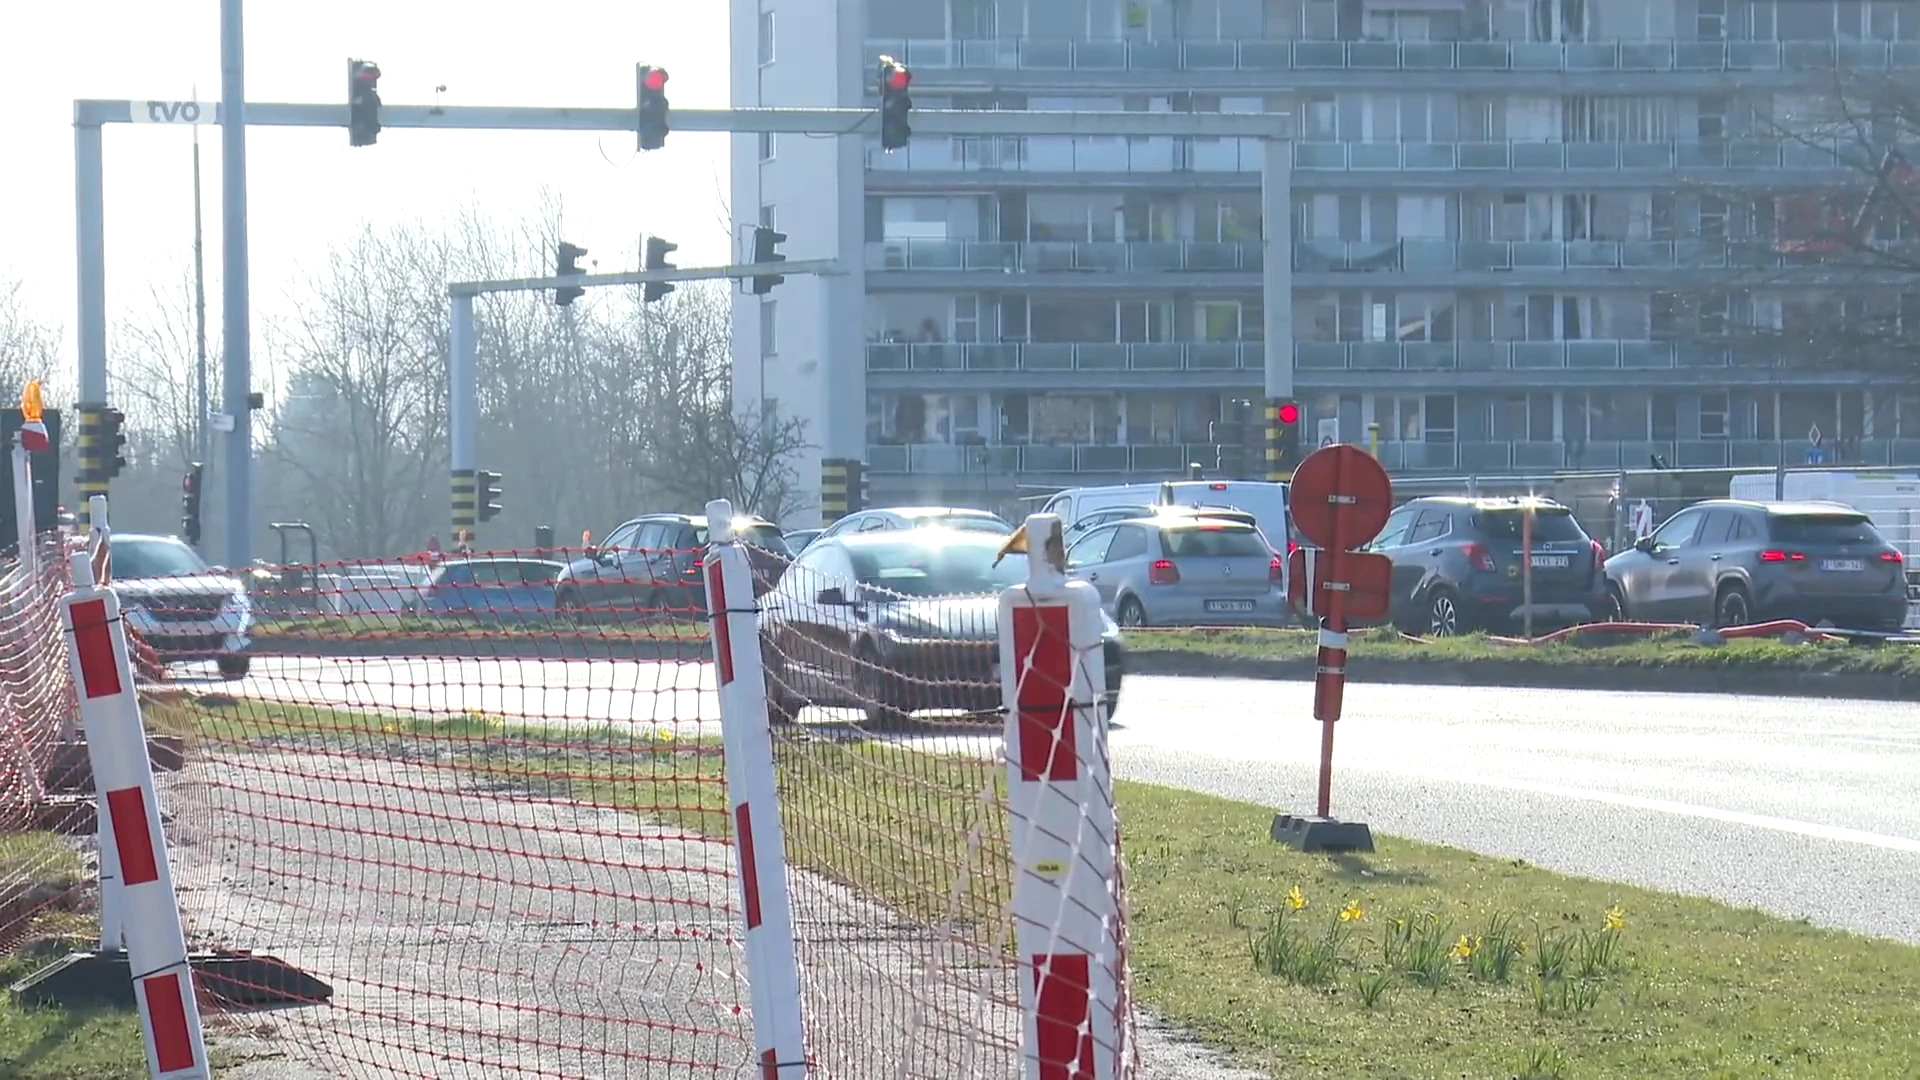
<point x="200" y="433"/>
<point x="235" y="384"/>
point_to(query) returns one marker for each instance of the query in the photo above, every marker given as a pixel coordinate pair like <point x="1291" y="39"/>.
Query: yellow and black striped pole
<point x="836" y="493"/>
<point x="1278" y="471"/>
<point x="464" y="503"/>
<point x="91" y="479"/>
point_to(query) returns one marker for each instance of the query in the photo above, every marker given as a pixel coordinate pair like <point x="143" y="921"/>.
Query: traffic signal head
<point x="1289" y="414"/>
<point x="766" y="249"/>
<point x="652" y="82"/>
<point x="113" y="442"/>
<point x="363" y="102"/>
<point x="190" y="503"/>
<point x="896" y="104"/>
<point x="657" y="252"/>
<point x="1283" y="439"/>
<point x="567" y="264"/>
<point x="488" y="485"/>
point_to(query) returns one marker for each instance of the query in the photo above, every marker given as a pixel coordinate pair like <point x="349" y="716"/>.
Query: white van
<point x="1266" y="501"/>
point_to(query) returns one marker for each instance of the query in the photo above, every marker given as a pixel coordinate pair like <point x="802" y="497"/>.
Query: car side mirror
<point x="1644" y="545"/>
<point x="833" y="596"/>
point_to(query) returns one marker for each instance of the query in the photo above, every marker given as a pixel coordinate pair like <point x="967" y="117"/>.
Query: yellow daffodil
<point x="1352" y="912"/>
<point x="664" y="734"/>
<point x="1616" y="918"/>
<point x="1296" y="899"/>
<point x="1463" y="949"/>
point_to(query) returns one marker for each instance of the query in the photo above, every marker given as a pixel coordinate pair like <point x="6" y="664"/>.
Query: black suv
<point x="1457" y="565"/>
<point x="651" y="564"/>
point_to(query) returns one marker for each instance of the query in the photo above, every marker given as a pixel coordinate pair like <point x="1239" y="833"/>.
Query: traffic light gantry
<point x="651" y="89"/>
<point x="896" y="104"/>
<point x="363" y="102"/>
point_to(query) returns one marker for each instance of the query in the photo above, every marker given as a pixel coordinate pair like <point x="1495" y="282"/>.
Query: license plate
<point x="1551" y="562"/>
<point x="1842" y="564"/>
<point x="1229" y="605"/>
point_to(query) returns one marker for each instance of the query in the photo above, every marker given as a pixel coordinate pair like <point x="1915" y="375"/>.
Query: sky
<point x="306" y="187"/>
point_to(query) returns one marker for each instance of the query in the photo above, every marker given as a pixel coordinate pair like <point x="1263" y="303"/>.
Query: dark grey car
<point x="1459" y="564"/>
<point x="1726" y="562"/>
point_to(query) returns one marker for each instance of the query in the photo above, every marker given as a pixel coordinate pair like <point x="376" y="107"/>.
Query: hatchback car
<point x="895" y="623"/>
<point x="1181" y="570"/>
<point x="490" y="589"/>
<point x="890" y="519"/>
<point x="1460" y="563"/>
<point x="1726" y="562"/>
<point x="174" y="600"/>
<point x="651" y="565"/>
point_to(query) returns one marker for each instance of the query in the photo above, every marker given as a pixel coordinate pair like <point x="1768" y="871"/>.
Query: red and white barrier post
<point x="773" y="971"/>
<point x="130" y="826"/>
<point x="1066" y="903"/>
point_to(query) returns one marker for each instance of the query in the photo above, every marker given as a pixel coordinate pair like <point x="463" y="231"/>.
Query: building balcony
<point x="1474" y="57"/>
<point x="1310" y="356"/>
<point x="1101" y="356"/>
<point x="1440" y="457"/>
<point x="1049" y="257"/>
<point x="1034" y="154"/>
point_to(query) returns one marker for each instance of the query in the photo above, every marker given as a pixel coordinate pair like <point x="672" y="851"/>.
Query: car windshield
<point x="1214" y="541"/>
<point x="920" y="568"/>
<point x="154" y="559"/>
<point x="1798" y="529"/>
<point x="966" y="523"/>
<point x="1550" y="523"/>
<point x="765" y="537"/>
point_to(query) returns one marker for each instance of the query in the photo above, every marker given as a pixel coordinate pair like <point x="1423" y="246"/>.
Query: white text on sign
<point x="174" y="112"/>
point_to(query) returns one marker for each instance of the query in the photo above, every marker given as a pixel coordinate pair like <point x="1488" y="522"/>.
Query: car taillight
<point x="1291" y="548"/>
<point x="1782" y="556"/>
<point x="1892" y="556"/>
<point x="1164" y="572"/>
<point x="1599" y="553"/>
<point x="1479" y="557"/>
<point x="1276" y="570"/>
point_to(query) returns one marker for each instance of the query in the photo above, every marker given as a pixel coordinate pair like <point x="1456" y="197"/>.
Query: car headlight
<point x="238" y="606"/>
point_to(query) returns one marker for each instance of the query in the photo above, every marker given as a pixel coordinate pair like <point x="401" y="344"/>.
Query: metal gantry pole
<point x="236" y="381"/>
<point x="463" y="414"/>
<point x="1276" y="273"/>
<point x="90" y="236"/>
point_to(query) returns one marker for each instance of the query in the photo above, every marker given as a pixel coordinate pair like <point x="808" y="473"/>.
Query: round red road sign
<point x="1340" y="497"/>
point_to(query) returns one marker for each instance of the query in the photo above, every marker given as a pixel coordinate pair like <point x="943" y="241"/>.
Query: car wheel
<point x="783" y="705"/>
<point x="1616" y="605"/>
<point x="1443" y="613"/>
<point x="876" y="693"/>
<point x="1731" y="607"/>
<point x="1131" y="613"/>
<point x="567" y="606"/>
<point x="234" y="667"/>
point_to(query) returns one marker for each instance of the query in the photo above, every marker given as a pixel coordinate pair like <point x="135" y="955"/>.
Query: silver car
<point x="1171" y="570"/>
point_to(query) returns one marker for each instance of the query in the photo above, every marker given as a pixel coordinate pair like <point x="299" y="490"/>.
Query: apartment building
<point x="1528" y="235"/>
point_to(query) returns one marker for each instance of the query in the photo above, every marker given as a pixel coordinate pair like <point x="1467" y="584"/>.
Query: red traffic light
<point x="899" y="79"/>
<point x="656" y="80"/>
<point x="367" y="73"/>
<point x="1289" y="413"/>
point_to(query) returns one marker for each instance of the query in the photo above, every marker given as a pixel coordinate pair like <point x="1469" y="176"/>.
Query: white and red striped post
<point x="773" y="971"/>
<point x="1066" y="904"/>
<point x="98" y="567"/>
<point x="130" y="827"/>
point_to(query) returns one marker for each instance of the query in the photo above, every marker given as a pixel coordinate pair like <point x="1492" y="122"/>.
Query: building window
<point x="1713" y="416"/>
<point x="767" y="217"/>
<point x="1437" y="421"/>
<point x="766" y="38"/>
<point x="766" y="146"/>
<point x="768" y="324"/>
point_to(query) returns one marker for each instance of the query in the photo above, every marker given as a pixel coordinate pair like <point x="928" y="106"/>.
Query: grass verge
<point x="1416" y="961"/>
<point x="39" y="875"/>
<point x="683" y="625"/>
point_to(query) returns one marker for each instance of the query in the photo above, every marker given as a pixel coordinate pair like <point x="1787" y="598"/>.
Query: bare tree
<point x="29" y="347"/>
<point x="153" y="370"/>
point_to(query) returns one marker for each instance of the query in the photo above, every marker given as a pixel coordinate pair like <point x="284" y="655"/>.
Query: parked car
<point x="919" y="517"/>
<point x="1130" y="511"/>
<point x="374" y="590"/>
<point x="1179" y="570"/>
<point x="798" y="539"/>
<point x="1459" y="565"/>
<point x="652" y="564"/>
<point x="1265" y="500"/>
<point x="894" y="623"/>
<point x="490" y="588"/>
<point x="1728" y="562"/>
<point x="174" y="600"/>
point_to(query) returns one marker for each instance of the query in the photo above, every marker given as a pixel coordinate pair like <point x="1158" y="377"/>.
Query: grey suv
<point x="651" y="564"/>
<point x="1458" y="564"/>
<point x="1726" y="562"/>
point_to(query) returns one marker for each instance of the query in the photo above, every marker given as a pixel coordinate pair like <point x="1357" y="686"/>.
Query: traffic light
<point x="567" y="264"/>
<point x="113" y="442"/>
<point x="487" y="487"/>
<point x="1230" y="451"/>
<point x="363" y="102"/>
<point x="190" y="503"/>
<point x="1283" y="434"/>
<point x="895" y="104"/>
<point x="766" y="249"/>
<point x="657" y="252"/>
<point x="653" y="106"/>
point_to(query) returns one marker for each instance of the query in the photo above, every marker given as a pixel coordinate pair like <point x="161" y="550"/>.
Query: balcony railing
<point x="1360" y="256"/>
<point x="1099" y="356"/>
<point x="1192" y="256"/>
<point x="1169" y="154"/>
<point x="1505" y="355"/>
<point x="1443" y="456"/>
<point x="1658" y="55"/>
